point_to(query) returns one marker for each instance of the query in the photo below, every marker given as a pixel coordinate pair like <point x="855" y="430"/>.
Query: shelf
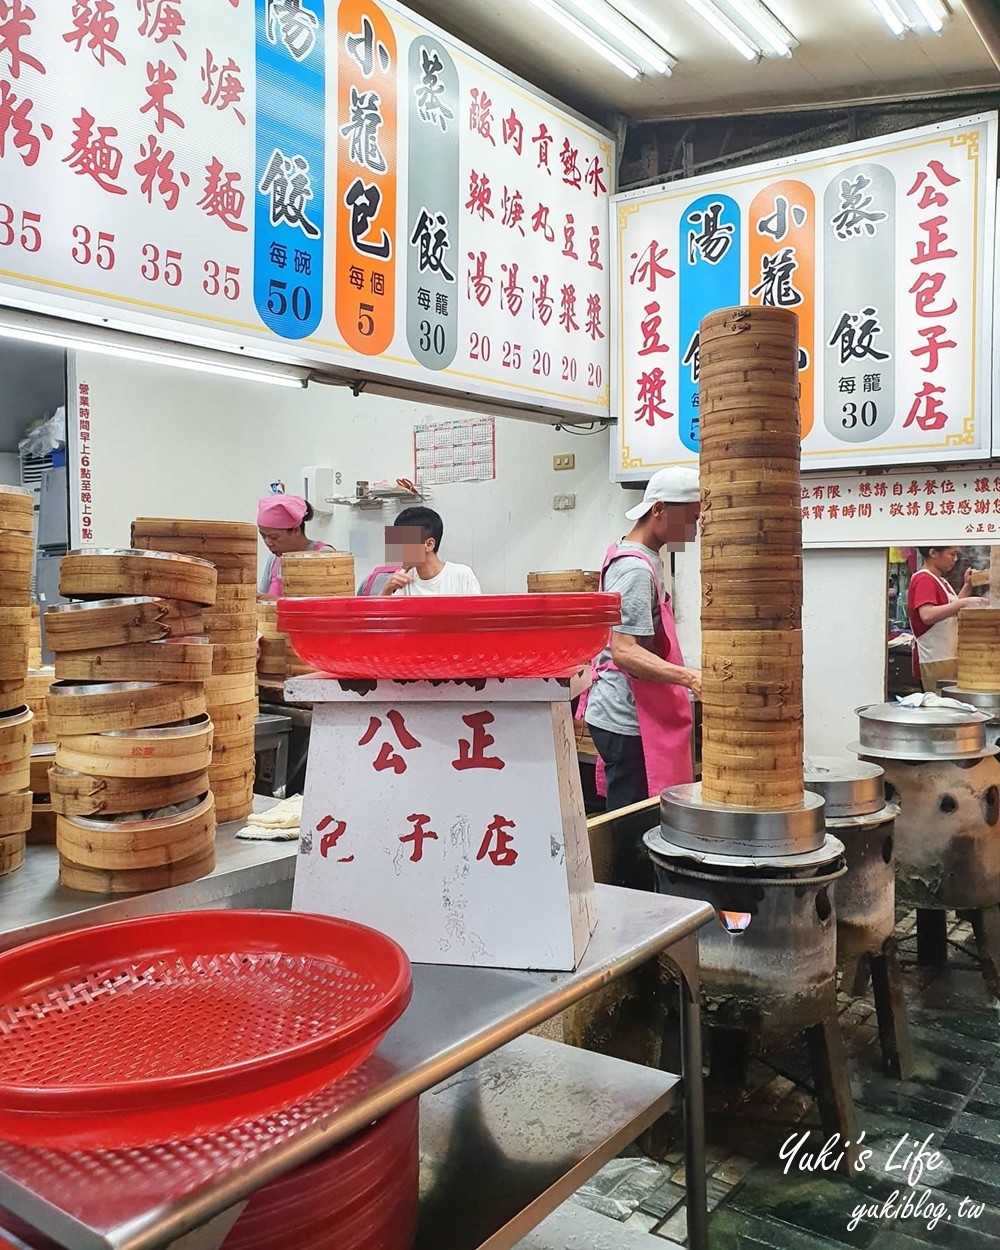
<point x="505" y="1142"/>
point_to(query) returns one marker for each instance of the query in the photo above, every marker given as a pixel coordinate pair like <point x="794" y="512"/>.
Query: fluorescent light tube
<point x="888" y="15"/>
<point x="587" y="36"/>
<point x="932" y="13"/>
<point x="631" y="36"/>
<point x="765" y="26"/>
<point x="725" y="28"/>
<point x="69" y="336"/>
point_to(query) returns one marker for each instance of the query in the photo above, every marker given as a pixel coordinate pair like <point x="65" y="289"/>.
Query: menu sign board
<point x="884" y="250"/>
<point x="337" y="184"/>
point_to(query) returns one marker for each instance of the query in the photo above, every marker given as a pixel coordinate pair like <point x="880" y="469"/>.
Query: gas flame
<point x="735" y="921"/>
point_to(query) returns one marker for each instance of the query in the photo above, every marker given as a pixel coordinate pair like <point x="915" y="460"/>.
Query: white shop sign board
<point x="336" y="184"/>
<point x="885" y="251"/>
<point x="450" y="817"/>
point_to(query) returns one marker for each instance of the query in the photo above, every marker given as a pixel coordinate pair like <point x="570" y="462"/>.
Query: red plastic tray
<point x="450" y="636"/>
<point x="163" y="1028"/>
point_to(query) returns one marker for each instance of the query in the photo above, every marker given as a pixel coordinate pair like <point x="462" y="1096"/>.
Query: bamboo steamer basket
<point x="206" y="545"/>
<point x="15" y="588"/>
<point x="43" y="824"/>
<point x="35" y="660"/>
<point x="14" y="651"/>
<point x="81" y="794"/>
<point x="267" y="618"/>
<point x="233" y="716"/>
<point x="15" y="813"/>
<point x="135" y="880"/>
<point x="236" y="809"/>
<point x="752" y="320"/>
<point x="566" y="581"/>
<point x="238" y="770"/>
<point x="220" y="558"/>
<point x="323" y="573"/>
<point x="140" y="754"/>
<point x="228" y="593"/>
<point x="979" y="649"/>
<point x="737" y="616"/>
<point x="230" y="658"/>
<point x="225" y="533"/>
<point x="233" y="688"/>
<point x="11" y="853"/>
<point x="101" y="573"/>
<point x="723" y="647"/>
<point x="17" y="510"/>
<point x="241" y="579"/>
<point x="105" y="623"/>
<point x="12" y="694"/>
<point x="76" y="709"/>
<point x="229" y="609"/>
<point x="176" y="659"/>
<point x="40" y="761"/>
<point x="232" y="629"/>
<point x="15" y="749"/>
<point x="35" y="693"/>
<point x="232" y="742"/>
<point x="128" y="845"/>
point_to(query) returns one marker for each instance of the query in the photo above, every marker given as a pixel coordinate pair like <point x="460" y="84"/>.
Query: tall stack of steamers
<point x="128" y="713"/>
<point x="16" y="557"/>
<point x="231" y="627"/>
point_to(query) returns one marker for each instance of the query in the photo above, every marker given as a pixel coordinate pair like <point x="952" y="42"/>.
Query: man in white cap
<point x="638" y="709"/>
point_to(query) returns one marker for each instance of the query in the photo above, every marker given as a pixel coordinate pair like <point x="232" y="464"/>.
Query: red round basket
<point x="167" y="1027"/>
<point x="449" y="636"/>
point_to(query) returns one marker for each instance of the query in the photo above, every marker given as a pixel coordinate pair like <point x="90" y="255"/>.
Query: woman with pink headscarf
<point x="281" y="520"/>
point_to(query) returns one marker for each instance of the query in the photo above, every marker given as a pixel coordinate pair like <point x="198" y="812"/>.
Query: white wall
<point x="10" y="468"/>
<point x="166" y="442"/>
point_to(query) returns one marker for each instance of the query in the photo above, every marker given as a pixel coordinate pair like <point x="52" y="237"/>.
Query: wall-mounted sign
<point x="884" y="249"/>
<point x="331" y="183"/>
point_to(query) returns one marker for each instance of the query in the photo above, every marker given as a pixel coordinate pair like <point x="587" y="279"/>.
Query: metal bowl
<point x="146" y="555"/>
<point x="848" y="786"/>
<point x="110" y="824"/>
<point x="688" y="820"/>
<point x="89" y="604"/>
<point x="182" y="729"/>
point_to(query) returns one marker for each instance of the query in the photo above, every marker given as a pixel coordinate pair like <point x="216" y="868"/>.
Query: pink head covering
<point x="280" y="512"/>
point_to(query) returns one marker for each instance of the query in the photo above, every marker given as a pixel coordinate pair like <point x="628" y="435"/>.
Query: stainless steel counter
<point x="147" y="1198"/>
<point x="247" y="874"/>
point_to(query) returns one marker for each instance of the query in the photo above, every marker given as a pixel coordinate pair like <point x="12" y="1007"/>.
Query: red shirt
<point x="924" y="589"/>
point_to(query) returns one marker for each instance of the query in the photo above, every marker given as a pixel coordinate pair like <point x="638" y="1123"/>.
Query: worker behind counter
<point x="933" y="608"/>
<point x="281" y="521"/>
<point x="639" y="709"/>
<point x="414" y="541"/>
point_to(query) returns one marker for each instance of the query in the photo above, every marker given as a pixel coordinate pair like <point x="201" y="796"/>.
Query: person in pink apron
<point x="638" y="708"/>
<point x="281" y="521"/>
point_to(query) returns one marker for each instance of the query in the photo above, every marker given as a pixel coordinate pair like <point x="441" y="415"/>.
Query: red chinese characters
<point x="95" y="23"/>
<point x="331" y="831"/>
<point x="163" y="20"/>
<point x="83" y="443"/>
<point x="93" y="155"/>
<point x="156" y="171"/>
<point x="223" y="85"/>
<point x="223" y="197"/>
<point x="17" y="126"/>
<point x="160" y="87"/>
<point x="498" y="843"/>
<point x="388" y="757"/>
<point x="932" y="302"/>
<point x="16" y="19"/>
<point x="417" y="836"/>
<point x="472" y="752"/>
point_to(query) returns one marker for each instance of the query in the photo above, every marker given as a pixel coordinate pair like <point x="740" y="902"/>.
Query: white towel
<point x="278" y="824"/>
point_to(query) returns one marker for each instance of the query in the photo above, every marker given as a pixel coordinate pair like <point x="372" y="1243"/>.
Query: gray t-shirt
<point x="610" y="705"/>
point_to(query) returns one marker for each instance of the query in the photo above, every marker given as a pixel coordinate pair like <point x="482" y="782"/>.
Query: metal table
<point x="189" y="1194"/>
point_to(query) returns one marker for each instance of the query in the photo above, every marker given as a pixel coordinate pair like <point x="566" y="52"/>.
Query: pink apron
<point x="664" y="710"/>
<point x="275" y="585"/>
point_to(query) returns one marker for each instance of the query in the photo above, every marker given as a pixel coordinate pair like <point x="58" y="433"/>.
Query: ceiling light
<point x="765" y="26"/>
<point x="916" y="15"/>
<point x="73" y="336"/>
<point x="593" y="41"/>
<point x="725" y="28"/>
<point x="610" y="20"/>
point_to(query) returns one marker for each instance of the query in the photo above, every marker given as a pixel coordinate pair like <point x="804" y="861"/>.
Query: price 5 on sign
<point x="336" y="184"/>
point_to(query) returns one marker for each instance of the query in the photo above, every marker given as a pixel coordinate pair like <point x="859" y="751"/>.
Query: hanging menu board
<point x="884" y="249"/>
<point x="337" y="184"/>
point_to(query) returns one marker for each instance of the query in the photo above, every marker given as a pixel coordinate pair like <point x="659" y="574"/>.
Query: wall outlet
<point x="567" y="461"/>
<point x="564" y="503"/>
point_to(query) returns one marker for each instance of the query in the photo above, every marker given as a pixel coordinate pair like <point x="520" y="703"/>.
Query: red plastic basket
<point x="163" y="1028"/>
<point x="450" y="636"/>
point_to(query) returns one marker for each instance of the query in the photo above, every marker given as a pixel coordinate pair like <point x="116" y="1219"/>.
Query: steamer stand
<point x="944" y="774"/>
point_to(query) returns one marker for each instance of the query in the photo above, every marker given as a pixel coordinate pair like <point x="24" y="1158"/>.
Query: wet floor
<point x="932" y="1174"/>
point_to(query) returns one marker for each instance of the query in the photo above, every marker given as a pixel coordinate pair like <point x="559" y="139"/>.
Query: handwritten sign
<point x="448" y="818"/>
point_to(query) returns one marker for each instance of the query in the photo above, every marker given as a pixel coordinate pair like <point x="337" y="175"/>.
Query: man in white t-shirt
<point x="415" y="540"/>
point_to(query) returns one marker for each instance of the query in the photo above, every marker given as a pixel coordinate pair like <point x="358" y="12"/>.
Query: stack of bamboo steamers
<point x="16" y="556"/>
<point x="303" y="574"/>
<point x="231" y="626"/>
<point x="751" y="559"/>
<point x="130" y="786"/>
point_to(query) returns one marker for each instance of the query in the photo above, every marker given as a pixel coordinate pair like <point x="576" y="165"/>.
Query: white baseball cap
<point x="674" y="485"/>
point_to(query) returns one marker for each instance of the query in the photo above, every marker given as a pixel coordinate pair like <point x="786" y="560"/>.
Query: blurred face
<point x="675" y="525"/>
<point x="943" y="559"/>
<point x="280" y="541"/>
<point x="406" y="545"/>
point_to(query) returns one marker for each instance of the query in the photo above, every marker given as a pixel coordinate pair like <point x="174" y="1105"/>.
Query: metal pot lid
<point x="688" y="819"/>
<point x="867" y="820"/>
<point x="102" y="687"/>
<point x="830" y="849"/>
<point x="182" y="729"/>
<point x="109" y="824"/>
<point x="921" y="757"/>
<point x="92" y="604"/>
<point x="897" y="714"/>
<point x="848" y="786"/>
<point x="146" y="555"/>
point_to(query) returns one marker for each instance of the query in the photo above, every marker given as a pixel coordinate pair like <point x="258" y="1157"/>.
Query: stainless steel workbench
<point x="541" y="1116"/>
